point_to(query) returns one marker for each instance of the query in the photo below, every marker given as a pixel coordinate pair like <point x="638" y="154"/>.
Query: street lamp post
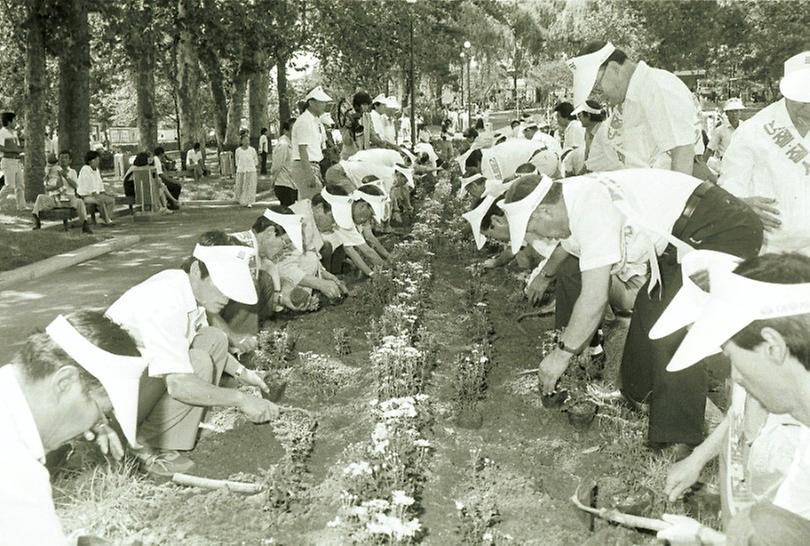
<point x="462" y="55"/>
<point x="413" y="84"/>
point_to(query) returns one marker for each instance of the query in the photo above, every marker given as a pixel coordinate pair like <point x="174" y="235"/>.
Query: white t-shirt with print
<point x="307" y="132"/>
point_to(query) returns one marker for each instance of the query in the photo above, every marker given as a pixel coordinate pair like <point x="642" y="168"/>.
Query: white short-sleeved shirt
<point x="548" y="141"/>
<point x="769" y="158"/>
<point x="193" y="157"/>
<point x="246" y="159"/>
<point x="721" y="138"/>
<point x="263" y="144"/>
<point x="427" y="148"/>
<point x="307" y="132"/>
<point x="378" y="122"/>
<point x="27" y="513"/>
<point x="356" y="171"/>
<point x="89" y="181"/>
<point x="158" y="166"/>
<point x="501" y="161"/>
<point x="347" y="237"/>
<point x="794" y="493"/>
<point x="659" y="113"/>
<point x="601" y="156"/>
<point x="162" y="316"/>
<point x="574" y="136"/>
<point x="380" y="156"/>
<point x="597" y="225"/>
<point x="7" y="134"/>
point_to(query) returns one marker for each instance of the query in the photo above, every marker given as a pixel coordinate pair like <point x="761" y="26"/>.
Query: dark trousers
<point x="247" y="319"/>
<point x="263" y="163"/>
<point x="287" y="196"/>
<point x="332" y="259"/>
<point x="568" y="285"/>
<point x="174" y="189"/>
<point x="677" y="400"/>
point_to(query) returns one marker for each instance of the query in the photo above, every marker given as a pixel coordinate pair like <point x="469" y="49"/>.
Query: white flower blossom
<point x="421" y="442"/>
<point x="399" y="498"/>
<point x="357" y="469"/>
<point x="335" y="522"/>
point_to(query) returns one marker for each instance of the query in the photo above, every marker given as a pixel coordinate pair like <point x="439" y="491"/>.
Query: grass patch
<point x="19" y="248"/>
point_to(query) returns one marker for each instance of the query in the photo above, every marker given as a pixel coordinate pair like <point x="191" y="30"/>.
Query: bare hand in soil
<point x="250" y="377"/>
<point x="258" y="410"/>
<point x="681" y="476"/>
<point x="332" y="290"/>
<point x="536" y="289"/>
<point x="551" y="369"/>
<point x="107" y="441"/>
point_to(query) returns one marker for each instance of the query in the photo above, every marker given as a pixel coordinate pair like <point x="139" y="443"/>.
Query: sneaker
<point x="37" y="223"/>
<point x="86" y="229"/>
<point x="163" y="463"/>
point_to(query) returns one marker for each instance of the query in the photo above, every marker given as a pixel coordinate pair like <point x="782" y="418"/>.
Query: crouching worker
<point x="758" y="313"/>
<point x="61" y="385"/>
<point x="353" y="218"/>
<point x="166" y="315"/>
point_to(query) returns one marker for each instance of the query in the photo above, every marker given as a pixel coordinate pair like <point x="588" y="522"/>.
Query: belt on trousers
<point x="690" y="206"/>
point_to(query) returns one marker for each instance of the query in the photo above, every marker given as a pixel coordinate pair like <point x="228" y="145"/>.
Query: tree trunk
<point x="236" y="106"/>
<point x="35" y="117"/>
<point x="188" y="80"/>
<point x="257" y="104"/>
<point x="145" y="86"/>
<point x="281" y="79"/>
<point x="74" y="86"/>
<point x="217" y="82"/>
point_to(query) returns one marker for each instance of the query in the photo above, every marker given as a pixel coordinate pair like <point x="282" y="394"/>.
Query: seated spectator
<point x="142" y="159"/>
<point x="173" y="186"/>
<point x="60" y="187"/>
<point x="194" y="162"/>
<point x="90" y="187"/>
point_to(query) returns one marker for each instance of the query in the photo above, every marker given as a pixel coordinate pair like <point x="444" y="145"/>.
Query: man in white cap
<point x="379" y="117"/>
<point x="308" y="141"/>
<point x="721" y="138"/>
<point x="758" y="313"/>
<point x="655" y="122"/>
<point x="167" y="316"/>
<point x="61" y="385"/>
<point x="767" y="163"/>
<point x="533" y="132"/>
<point x="392" y="107"/>
<point x="670" y="214"/>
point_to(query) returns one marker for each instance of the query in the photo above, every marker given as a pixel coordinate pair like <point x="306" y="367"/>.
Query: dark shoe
<point x="37" y="223"/>
<point x="86" y="229"/>
<point x="163" y="463"/>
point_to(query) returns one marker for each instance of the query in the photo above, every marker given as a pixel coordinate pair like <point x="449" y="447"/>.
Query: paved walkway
<point x="165" y="243"/>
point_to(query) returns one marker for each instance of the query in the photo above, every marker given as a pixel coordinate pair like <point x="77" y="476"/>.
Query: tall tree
<point x="258" y="91"/>
<point x="36" y="88"/>
<point x="74" y="82"/>
<point x="188" y="77"/>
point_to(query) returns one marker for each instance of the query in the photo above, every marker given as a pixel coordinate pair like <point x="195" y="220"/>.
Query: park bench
<point x="92" y="208"/>
<point x="65" y="214"/>
<point x="147" y="188"/>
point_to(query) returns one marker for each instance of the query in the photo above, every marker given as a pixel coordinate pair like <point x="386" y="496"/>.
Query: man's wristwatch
<point x="238" y="373"/>
<point x="563" y="347"/>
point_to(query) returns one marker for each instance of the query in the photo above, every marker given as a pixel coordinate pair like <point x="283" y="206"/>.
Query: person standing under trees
<point x="10" y="161"/>
<point x="264" y="148"/>
<point x="307" y="145"/>
<point x="655" y="122"/>
<point x="721" y="137"/>
<point x="246" y="162"/>
<point x="572" y="134"/>
<point x="281" y="167"/>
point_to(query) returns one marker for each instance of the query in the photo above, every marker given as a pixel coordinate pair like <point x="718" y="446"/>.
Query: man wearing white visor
<point x="669" y="214"/>
<point x="352" y="214"/>
<point x="61" y="385"/>
<point x="655" y="122"/>
<point x="767" y="164"/>
<point x="721" y="138"/>
<point x="758" y="313"/>
<point x="308" y="141"/>
<point x="167" y="316"/>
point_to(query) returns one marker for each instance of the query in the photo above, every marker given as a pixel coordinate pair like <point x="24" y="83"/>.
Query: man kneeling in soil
<point x="61" y="385"/>
<point x="166" y="315"/>
<point x="759" y="313"/>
